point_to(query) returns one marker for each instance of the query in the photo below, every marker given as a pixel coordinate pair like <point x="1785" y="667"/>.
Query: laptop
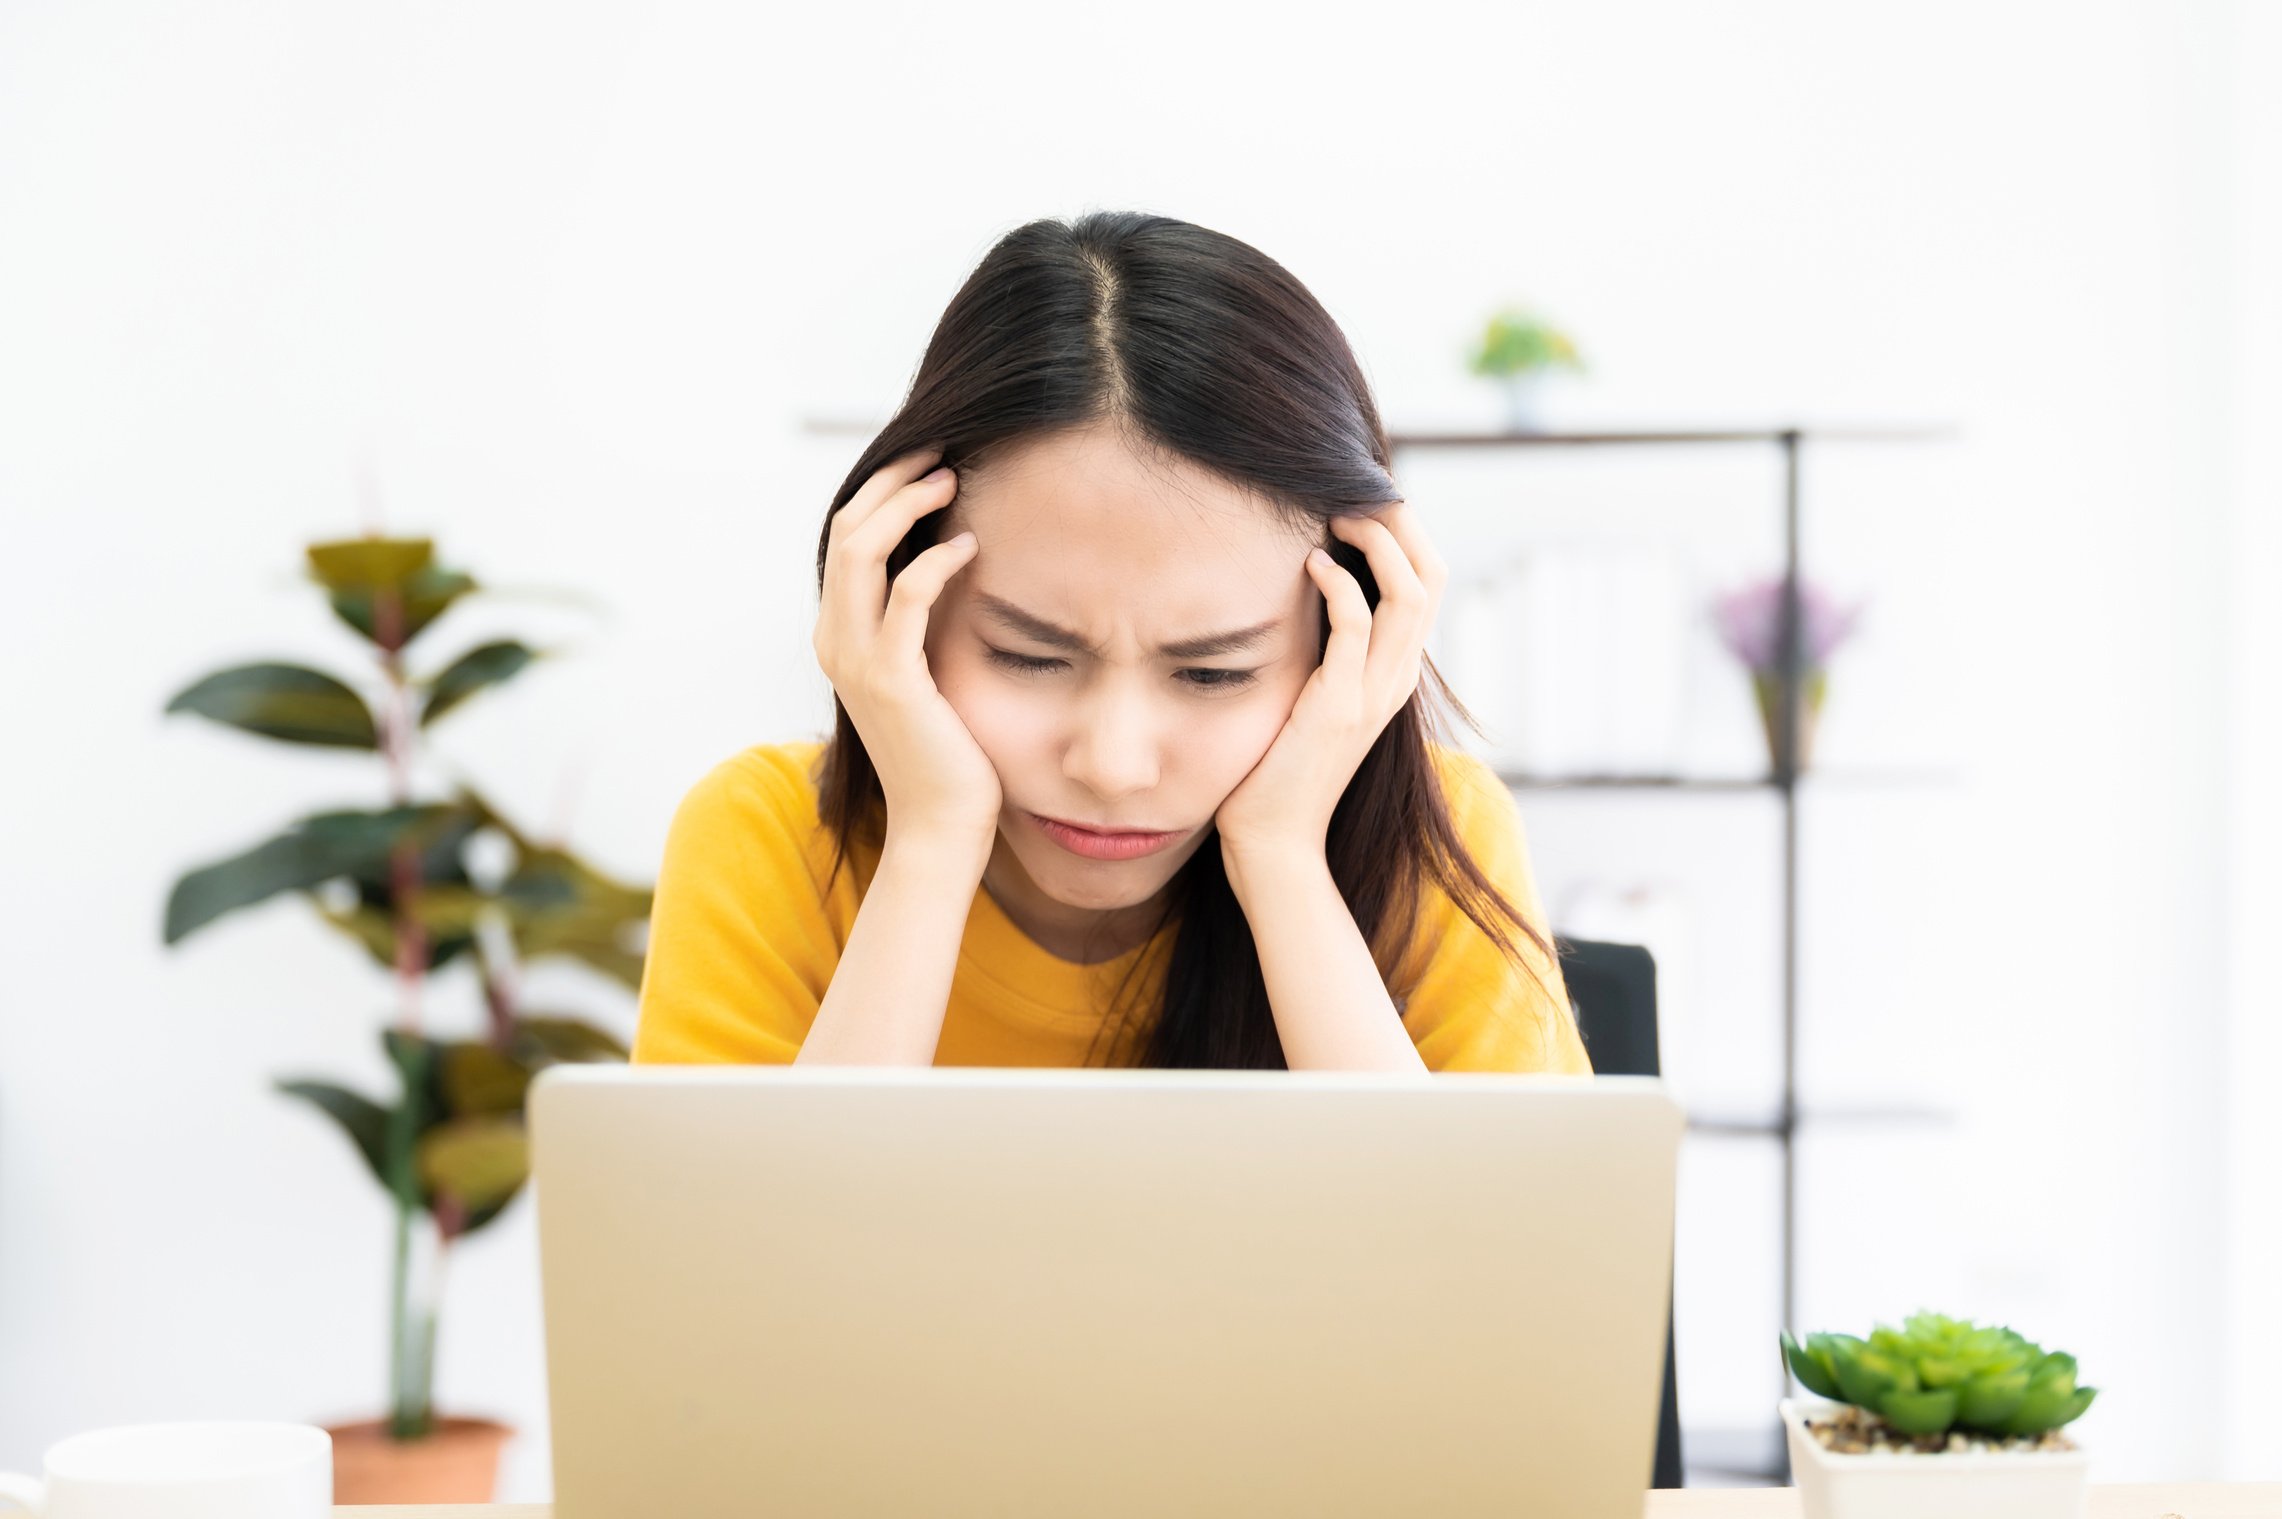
<point x="784" y="1290"/>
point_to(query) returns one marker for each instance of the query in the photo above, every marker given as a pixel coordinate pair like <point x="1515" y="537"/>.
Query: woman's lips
<point x="1102" y="846"/>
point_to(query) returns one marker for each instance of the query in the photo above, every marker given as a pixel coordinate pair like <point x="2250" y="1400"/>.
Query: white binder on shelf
<point x="1573" y="658"/>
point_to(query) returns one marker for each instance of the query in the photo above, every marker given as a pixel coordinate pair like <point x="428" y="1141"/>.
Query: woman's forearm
<point x="888" y="994"/>
<point x="1331" y="1008"/>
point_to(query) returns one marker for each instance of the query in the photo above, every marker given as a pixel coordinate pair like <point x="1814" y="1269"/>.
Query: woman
<point x="1131" y="762"/>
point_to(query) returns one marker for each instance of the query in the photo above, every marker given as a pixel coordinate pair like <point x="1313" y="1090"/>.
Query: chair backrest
<point x="1613" y="988"/>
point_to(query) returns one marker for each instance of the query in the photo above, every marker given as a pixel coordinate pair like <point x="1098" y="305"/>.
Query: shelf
<point x="1526" y="780"/>
<point x="1714" y="1124"/>
<point x="1593" y="437"/>
<point x="1585" y="437"/>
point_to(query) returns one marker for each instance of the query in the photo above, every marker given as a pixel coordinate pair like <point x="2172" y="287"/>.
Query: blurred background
<point x="604" y="300"/>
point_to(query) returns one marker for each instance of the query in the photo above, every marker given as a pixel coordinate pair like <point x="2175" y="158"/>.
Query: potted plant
<point x="419" y="885"/>
<point x="1941" y="1416"/>
<point x="1519" y="349"/>
<point x="1750" y="622"/>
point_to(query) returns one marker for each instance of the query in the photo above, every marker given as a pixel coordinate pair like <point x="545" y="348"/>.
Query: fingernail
<point x="939" y="472"/>
<point x="1318" y="556"/>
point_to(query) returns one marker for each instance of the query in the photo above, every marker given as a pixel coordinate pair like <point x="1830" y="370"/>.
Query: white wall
<point x="565" y="280"/>
<point x="2253" y="1157"/>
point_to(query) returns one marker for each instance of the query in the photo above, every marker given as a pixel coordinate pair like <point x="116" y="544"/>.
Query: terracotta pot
<point x="458" y="1462"/>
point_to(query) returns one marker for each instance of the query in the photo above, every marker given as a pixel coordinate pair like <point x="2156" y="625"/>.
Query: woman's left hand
<point x="1370" y="667"/>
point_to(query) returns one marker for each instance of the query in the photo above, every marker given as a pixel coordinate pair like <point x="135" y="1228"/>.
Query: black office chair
<point x="1613" y="987"/>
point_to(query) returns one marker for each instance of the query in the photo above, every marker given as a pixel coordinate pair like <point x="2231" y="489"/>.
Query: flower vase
<point x="1767" y="686"/>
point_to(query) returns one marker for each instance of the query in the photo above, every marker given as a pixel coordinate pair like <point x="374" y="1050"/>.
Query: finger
<point x="903" y="631"/>
<point x="1405" y="606"/>
<point x="878" y="534"/>
<point x="884" y="482"/>
<point x="855" y="567"/>
<point x="1401" y="519"/>
<point x="1344" y="651"/>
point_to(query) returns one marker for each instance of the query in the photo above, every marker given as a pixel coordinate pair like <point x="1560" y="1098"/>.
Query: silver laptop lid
<point x="825" y="1291"/>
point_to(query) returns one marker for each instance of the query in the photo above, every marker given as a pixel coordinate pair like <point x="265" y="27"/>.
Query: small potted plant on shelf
<point x="1942" y="1416"/>
<point x="1519" y="349"/>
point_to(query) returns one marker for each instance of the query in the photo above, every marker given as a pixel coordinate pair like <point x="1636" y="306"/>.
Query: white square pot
<point x="2045" y="1484"/>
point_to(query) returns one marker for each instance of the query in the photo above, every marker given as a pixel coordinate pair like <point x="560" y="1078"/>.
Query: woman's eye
<point x="1207" y="680"/>
<point x="1220" y="680"/>
<point x="1022" y="662"/>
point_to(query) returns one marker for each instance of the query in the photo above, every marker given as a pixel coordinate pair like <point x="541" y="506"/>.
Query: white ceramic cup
<point x="216" y="1469"/>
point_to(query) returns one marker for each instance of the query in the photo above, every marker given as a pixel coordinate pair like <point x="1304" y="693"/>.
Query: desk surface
<point x="2187" y="1500"/>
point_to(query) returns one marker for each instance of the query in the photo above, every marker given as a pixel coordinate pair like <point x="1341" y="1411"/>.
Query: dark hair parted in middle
<point x="1189" y="342"/>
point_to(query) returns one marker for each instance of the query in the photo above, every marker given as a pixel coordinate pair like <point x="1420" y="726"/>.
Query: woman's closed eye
<point x="1026" y="664"/>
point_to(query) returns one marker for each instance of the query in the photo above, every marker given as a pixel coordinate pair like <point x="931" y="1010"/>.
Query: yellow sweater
<point x="744" y="938"/>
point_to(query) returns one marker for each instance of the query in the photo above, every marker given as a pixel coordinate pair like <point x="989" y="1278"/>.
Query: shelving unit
<point x="1784" y="779"/>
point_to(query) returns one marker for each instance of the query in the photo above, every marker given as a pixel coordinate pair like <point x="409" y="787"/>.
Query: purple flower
<point x="1750" y="623"/>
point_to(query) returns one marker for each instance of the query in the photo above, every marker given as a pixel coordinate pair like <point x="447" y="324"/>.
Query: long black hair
<point x="1188" y="341"/>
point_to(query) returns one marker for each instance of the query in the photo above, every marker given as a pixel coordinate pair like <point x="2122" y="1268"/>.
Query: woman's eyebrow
<point x="1031" y="626"/>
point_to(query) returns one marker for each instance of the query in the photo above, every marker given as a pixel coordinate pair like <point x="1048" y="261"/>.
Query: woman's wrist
<point x="939" y="853"/>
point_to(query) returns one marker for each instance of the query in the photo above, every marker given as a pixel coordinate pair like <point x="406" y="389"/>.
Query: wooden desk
<point x="2188" y="1500"/>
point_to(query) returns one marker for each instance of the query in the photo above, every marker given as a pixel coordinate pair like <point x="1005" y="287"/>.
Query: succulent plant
<point x="1937" y="1372"/>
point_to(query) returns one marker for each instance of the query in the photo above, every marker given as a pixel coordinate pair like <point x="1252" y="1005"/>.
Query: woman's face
<point x="1105" y="727"/>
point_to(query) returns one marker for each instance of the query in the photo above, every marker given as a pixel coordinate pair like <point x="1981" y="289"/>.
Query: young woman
<point x="1132" y="761"/>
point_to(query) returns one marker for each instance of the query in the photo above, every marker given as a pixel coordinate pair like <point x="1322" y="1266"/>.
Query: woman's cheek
<point x="1261" y="722"/>
<point x="1004" y="719"/>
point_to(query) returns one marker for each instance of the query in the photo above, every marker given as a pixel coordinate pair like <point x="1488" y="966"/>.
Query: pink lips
<point x="1102" y="846"/>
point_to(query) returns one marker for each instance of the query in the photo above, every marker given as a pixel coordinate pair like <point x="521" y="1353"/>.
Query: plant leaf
<point x="1865" y="1376"/>
<point x="430" y="595"/>
<point x="487" y="664"/>
<point x="1812" y="1373"/>
<point x="287" y="702"/>
<point x="1988" y="1401"/>
<point x="359" y="572"/>
<point x="362" y="1119"/>
<point x="1919" y="1413"/>
<point x="418" y="1061"/>
<point x="481" y="1162"/>
<point x="2046" y="1406"/>
<point x="1941" y="1371"/>
<point x="322" y="847"/>
<point x="558" y="905"/>
<point x="374" y="927"/>
<point x="478" y="1080"/>
<point x="369" y="564"/>
<point x="548" y="1041"/>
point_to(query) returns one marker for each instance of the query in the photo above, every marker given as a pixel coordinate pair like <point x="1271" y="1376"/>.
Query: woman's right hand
<point x="870" y="639"/>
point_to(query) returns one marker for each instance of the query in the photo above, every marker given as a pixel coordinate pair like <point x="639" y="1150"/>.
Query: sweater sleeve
<point x="741" y="949"/>
<point x="1471" y="1008"/>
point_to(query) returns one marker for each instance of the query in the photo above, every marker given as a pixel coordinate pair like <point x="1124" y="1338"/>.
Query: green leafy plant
<point x="403" y="883"/>
<point x="1937" y="1372"/>
<point x="1517" y="342"/>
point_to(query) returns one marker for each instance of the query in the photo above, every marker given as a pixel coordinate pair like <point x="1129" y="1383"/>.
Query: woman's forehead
<point x="1085" y="495"/>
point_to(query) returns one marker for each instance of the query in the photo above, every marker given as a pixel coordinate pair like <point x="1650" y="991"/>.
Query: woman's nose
<point x="1113" y="752"/>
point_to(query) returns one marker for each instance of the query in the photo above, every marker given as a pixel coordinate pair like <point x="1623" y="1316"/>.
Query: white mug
<point x="217" y="1469"/>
